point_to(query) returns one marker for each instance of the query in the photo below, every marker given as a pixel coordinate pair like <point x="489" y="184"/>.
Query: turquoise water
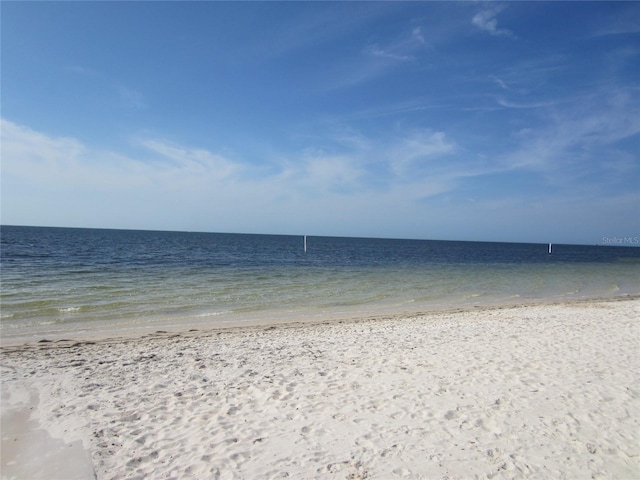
<point x="58" y="281"/>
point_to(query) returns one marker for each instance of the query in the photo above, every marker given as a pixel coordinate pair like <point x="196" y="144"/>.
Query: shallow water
<point x="58" y="280"/>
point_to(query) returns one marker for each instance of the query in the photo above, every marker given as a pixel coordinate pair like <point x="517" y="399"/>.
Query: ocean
<point x="57" y="282"/>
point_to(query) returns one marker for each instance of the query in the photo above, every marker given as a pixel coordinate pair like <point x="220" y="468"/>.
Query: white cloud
<point x="65" y="163"/>
<point x="31" y="146"/>
<point x="388" y="54"/>
<point x="332" y="171"/>
<point x="486" y="21"/>
<point x="510" y="104"/>
<point x="63" y="181"/>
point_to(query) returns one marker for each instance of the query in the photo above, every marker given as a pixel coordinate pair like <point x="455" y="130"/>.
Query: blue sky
<point x="515" y="121"/>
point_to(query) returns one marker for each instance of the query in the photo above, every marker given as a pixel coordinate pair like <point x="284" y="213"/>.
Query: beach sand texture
<point x="542" y="391"/>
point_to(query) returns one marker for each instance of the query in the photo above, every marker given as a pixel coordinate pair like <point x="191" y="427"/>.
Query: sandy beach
<point x="539" y="391"/>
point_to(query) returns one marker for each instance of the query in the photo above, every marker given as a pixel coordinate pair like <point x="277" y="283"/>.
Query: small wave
<point x="572" y="292"/>
<point x="470" y="296"/>
<point x="509" y="297"/>
<point x="14" y="325"/>
<point x="69" y="310"/>
<point x="212" y="314"/>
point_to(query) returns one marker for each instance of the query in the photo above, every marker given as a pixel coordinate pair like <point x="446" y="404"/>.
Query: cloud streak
<point x="402" y="49"/>
<point x="379" y="58"/>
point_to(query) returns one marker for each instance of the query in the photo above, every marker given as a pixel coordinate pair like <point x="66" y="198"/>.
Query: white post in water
<point x="305" y="244"/>
<point x="549" y="248"/>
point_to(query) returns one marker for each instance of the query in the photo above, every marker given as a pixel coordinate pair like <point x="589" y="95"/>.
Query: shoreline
<point x="203" y="327"/>
<point x="538" y="391"/>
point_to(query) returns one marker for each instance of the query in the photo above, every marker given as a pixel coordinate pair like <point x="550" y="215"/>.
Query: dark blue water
<point x="63" y="279"/>
<point x="49" y="247"/>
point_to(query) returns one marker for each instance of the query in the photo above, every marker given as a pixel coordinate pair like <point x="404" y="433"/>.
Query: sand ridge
<point x="545" y="391"/>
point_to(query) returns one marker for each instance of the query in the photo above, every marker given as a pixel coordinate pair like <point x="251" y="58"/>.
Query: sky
<point x="491" y="121"/>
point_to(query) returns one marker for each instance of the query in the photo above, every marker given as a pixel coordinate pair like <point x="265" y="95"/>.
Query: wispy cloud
<point x="487" y="21"/>
<point x="501" y="83"/>
<point x="21" y="144"/>
<point x="620" y="21"/>
<point x="403" y="48"/>
<point x="378" y="58"/>
<point x="192" y="161"/>
<point x="298" y="30"/>
<point x="388" y="54"/>
<point x="503" y="102"/>
<point x="50" y="162"/>
<point x="416" y="35"/>
<point x="579" y="139"/>
<point x="412" y="154"/>
<point x="316" y="173"/>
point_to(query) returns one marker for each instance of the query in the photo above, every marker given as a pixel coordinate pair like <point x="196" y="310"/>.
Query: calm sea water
<point x="60" y="281"/>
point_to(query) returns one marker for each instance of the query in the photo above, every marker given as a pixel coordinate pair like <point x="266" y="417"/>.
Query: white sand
<point x="528" y="392"/>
